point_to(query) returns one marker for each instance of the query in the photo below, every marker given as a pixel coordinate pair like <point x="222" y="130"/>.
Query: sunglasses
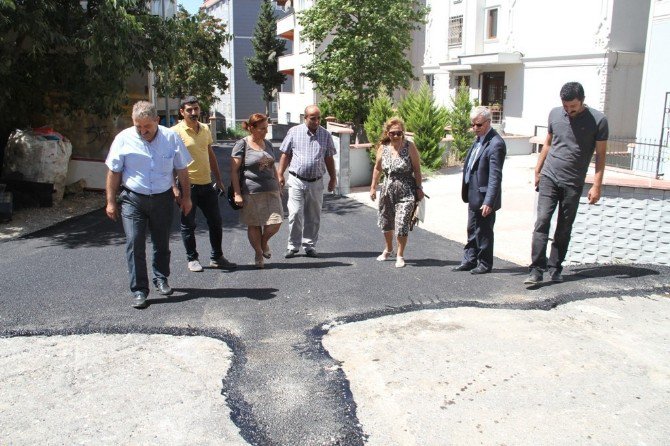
<point x="474" y="124"/>
<point x="396" y="133"/>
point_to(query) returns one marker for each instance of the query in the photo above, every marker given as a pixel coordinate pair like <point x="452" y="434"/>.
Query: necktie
<point x="472" y="159"/>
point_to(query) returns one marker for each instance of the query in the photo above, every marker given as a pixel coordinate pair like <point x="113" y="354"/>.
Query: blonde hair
<point x="385" y="138"/>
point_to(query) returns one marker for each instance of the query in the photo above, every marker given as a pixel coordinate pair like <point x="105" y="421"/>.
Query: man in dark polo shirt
<point x="574" y="132"/>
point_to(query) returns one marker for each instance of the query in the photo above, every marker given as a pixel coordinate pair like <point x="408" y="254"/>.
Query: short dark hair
<point x="188" y="100"/>
<point x="572" y="91"/>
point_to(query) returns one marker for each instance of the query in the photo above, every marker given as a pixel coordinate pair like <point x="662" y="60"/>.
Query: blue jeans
<point x="567" y="200"/>
<point x="137" y="212"/>
<point x="203" y="196"/>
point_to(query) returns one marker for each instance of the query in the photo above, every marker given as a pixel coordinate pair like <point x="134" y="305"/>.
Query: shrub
<point x="381" y="109"/>
<point x="427" y="121"/>
<point x="459" y="120"/>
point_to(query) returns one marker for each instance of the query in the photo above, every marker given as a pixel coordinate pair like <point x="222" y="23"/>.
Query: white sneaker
<point x="194" y="266"/>
<point x="399" y="262"/>
<point x="384" y="256"/>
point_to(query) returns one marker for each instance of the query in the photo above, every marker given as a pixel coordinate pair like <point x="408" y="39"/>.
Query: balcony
<point x="286" y="27"/>
<point x="287" y="64"/>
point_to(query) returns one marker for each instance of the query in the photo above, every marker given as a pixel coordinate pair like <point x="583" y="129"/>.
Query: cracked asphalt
<point x="282" y="387"/>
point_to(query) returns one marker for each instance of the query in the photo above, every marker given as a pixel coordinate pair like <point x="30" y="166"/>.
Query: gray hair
<point x="482" y="111"/>
<point x="144" y="109"/>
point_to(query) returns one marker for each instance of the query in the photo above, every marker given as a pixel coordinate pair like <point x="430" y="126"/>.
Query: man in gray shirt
<point x="574" y="132"/>
<point x="307" y="152"/>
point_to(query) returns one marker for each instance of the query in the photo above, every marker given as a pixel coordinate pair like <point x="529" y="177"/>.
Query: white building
<point x="298" y="91"/>
<point x="516" y="54"/>
<point x="653" y="122"/>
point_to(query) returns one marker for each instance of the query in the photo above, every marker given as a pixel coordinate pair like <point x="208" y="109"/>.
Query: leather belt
<point x="144" y="195"/>
<point x="309" y="180"/>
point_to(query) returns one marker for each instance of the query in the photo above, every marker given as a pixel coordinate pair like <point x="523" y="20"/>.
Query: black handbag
<point x="231" y="192"/>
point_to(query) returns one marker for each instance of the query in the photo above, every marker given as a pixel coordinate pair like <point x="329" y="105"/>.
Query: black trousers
<point x="479" y="247"/>
<point x="203" y="196"/>
<point x="567" y="200"/>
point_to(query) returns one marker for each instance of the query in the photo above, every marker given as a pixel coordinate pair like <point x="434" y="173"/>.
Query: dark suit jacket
<point x="485" y="182"/>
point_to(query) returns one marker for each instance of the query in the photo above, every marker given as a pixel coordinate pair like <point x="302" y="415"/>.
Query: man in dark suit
<point x="481" y="189"/>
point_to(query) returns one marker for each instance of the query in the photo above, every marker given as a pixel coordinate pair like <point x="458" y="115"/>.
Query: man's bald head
<point x="312" y="117"/>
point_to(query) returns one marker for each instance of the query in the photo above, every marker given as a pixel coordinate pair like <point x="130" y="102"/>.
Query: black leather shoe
<point x="312" y="253"/>
<point x="290" y="253"/>
<point x="464" y="267"/>
<point x="556" y="276"/>
<point x="139" y="300"/>
<point x="481" y="269"/>
<point x="163" y="287"/>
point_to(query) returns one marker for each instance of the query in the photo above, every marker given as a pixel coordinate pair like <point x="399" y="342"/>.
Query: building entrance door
<point x="492" y="94"/>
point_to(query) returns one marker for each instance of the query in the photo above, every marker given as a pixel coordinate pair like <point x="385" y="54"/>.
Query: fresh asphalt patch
<point x="282" y="388"/>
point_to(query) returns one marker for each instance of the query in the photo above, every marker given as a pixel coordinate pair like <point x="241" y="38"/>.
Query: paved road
<point x="283" y="387"/>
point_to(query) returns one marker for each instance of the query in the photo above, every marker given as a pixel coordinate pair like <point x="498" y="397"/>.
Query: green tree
<point x="262" y="68"/>
<point x="190" y="62"/>
<point x="427" y="121"/>
<point x="381" y="110"/>
<point x="459" y="120"/>
<point x="360" y="46"/>
<point x="58" y="55"/>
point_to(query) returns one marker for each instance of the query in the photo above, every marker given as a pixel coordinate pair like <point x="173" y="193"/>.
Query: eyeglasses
<point x="477" y="125"/>
<point x="396" y="133"/>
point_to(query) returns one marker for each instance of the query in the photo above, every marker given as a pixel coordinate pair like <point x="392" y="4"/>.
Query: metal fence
<point x="646" y="156"/>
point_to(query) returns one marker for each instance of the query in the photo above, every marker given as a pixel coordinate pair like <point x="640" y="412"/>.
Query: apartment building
<point x="298" y="91"/>
<point x="244" y="96"/>
<point x="516" y="54"/>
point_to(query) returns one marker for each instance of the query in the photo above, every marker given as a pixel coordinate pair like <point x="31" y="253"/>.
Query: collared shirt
<point x="309" y="150"/>
<point x="475" y="153"/>
<point x="471" y="160"/>
<point x="197" y="143"/>
<point x="147" y="167"/>
<point x="572" y="145"/>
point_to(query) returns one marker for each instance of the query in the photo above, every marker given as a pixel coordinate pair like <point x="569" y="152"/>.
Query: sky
<point x="190" y="5"/>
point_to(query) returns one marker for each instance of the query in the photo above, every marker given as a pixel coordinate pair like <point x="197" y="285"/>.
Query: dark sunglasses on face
<point x="395" y="133"/>
<point x="474" y="124"/>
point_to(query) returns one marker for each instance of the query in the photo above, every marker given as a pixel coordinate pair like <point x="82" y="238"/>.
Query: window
<point x="492" y="23"/>
<point x="430" y="80"/>
<point x="456" y="30"/>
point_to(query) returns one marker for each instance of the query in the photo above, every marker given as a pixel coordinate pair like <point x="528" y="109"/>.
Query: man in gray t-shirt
<point x="574" y="132"/>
